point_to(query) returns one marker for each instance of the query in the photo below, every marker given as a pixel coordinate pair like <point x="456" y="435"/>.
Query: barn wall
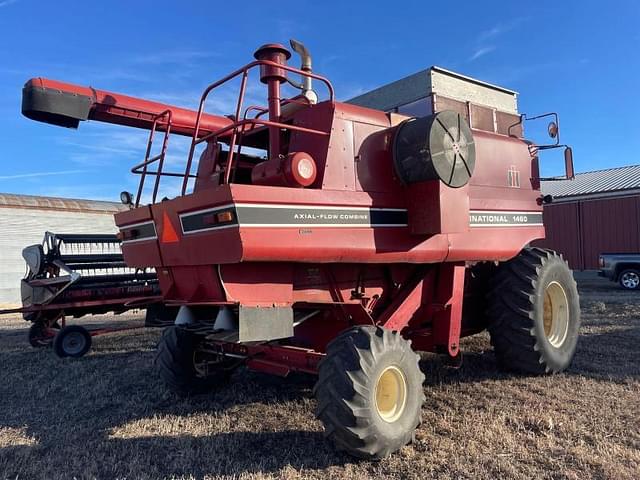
<point x="20" y="227"/>
<point x="609" y="225"/>
<point x="584" y="229"/>
<point x="562" y="225"/>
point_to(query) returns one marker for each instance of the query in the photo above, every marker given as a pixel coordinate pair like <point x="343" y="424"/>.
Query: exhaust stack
<point x="305" y="57"/>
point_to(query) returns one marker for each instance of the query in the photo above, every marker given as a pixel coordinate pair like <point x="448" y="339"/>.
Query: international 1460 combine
<point x="339" y="240"/>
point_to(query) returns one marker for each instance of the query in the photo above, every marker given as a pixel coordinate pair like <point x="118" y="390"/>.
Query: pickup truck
<point x="623" y="268"/>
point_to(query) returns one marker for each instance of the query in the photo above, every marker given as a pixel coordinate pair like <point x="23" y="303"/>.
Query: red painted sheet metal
<point x="134" y="112"/>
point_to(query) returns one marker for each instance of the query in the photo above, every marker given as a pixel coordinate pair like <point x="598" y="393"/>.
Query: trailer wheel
<point x="369" y="392"/>
<point x="72" y="341"/>
<point x="41" y="335"/>
<point x="534" y="313"/>
<point x="629" y="279"/>
<point x="176" y="363"/>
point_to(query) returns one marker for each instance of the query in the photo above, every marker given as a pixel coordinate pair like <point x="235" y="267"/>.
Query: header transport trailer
<point x="73" y="275"/>
<point x="332" y="238"/>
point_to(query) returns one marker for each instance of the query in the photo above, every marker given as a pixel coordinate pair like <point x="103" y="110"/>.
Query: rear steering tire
<point x="534" y="313"/>
<point x="176" y="364"/>
<point x="369" y="392"/>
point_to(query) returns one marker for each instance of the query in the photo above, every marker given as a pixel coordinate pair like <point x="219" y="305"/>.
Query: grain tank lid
<point x="441" y="82"/>
<point x="450" y="73"/>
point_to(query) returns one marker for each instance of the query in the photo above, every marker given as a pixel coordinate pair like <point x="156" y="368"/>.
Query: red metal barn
<point x="596" y="213"/>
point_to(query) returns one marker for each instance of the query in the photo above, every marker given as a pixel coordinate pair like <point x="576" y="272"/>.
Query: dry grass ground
<point x="107" y="415"/>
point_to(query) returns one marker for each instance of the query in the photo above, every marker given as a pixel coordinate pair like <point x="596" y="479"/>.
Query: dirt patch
<point x="107" y="415"/>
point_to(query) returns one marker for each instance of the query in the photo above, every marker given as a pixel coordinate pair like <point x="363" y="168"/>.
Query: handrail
<point x="160" y="157"/>
<point x="244" y="71"/>
<point x="264" y="123"/>
<point x="236" y="129"/>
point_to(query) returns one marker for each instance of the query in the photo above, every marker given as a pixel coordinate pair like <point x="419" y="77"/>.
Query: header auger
<point x="353" y="238"/>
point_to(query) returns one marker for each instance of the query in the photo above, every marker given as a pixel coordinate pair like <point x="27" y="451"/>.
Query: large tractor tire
<point x="534" y="313"/>
<point x="369" y="392"/>
<point x="176" y="362"/>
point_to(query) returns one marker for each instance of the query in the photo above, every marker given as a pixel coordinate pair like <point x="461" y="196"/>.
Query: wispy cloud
<point x="513" y="73"/>
<point x="289" y="28"/>
<point x="222" y="101"/>
<point x="173" y="56"/>
<point x="136" y="67"/>
<point x="347" y="91"/>
<point x="40" y="174"/>
<point x="6" y="3"/>
<point x="486" y="40"/>
<point x="102" y="191"/>
<point x="500" y="29"/>
<point x="481" y="51"/>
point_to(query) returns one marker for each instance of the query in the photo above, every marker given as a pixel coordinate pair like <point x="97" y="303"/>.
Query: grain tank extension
<point x="339" y="239"/>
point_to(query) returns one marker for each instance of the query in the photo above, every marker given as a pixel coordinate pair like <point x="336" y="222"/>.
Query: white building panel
<point x="25" y="219"/>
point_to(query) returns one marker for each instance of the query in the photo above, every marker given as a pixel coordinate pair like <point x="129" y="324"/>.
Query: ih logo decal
<point x="169" y="234"/>
<point x="513" y="177"/>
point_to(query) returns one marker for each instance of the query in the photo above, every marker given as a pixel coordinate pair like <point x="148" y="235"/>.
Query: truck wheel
<point x="369" y="392"/>
<point x="630" y="279"/>
<point x="534" y="313"/>
<point x="72" y="341"/>
<point x="176" y="362"/>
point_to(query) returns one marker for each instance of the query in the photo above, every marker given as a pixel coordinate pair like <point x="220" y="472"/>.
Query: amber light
<point x="224" y="217"/>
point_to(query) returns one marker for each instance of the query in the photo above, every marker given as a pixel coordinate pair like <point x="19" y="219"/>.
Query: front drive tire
<point x="369" y="392"/>
<point x="534" y="313"/>
<point x="176" y="365"/>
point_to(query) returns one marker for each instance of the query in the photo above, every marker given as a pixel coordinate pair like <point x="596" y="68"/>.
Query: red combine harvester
<point x="352" y="240"/>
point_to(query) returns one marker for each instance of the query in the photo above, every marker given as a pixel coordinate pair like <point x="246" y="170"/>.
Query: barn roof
<point x="620" y="179"/>
<point x="10" y="200"/>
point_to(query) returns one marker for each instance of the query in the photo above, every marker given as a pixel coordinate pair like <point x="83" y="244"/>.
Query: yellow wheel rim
<point x="556" y="314"/>
<point x="391" y="394"/>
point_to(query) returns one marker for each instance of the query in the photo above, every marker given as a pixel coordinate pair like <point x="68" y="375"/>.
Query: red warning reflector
<point x="169" y="234"/>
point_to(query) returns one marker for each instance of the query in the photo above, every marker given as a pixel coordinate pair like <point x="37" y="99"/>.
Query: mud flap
<point x="265" y="323"/>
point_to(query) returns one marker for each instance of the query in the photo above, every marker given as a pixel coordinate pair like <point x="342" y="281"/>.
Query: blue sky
<point x="580" y="58"/>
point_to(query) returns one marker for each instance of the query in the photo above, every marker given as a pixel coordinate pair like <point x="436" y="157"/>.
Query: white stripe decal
<point x="247" y="215"/>
<point x="505" y="218"/>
